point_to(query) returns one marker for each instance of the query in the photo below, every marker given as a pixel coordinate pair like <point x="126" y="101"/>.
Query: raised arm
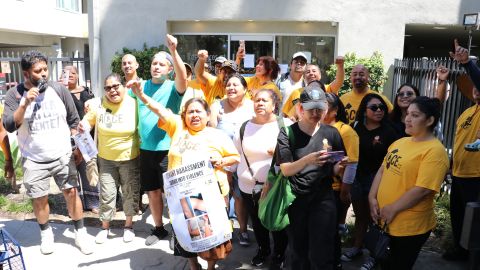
<point x="442" y="76"/>
<point x="200" y="72"/>
<point x="340" y="76"/>
<point x="151" y="104"/>
<point x="178" y="65"/>
<point x="461" y="55"/>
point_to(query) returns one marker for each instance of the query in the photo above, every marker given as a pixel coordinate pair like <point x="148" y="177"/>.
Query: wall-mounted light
<point x="470" y="19"/>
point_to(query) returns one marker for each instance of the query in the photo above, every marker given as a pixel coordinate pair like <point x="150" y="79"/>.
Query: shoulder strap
<point x="242" y="132"/>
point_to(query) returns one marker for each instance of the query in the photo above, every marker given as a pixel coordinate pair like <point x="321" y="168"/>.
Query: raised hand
<point x="461" y="54"/>
<point x="339" y="60"/>
<point x="203" y="54"/>
<point x="442" y="73"/>
<point x="135" y="86"/>
<point x="32" y="94"/>
<point x="172" y="43"/>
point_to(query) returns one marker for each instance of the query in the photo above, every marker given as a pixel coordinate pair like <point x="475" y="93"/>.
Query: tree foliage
<point x="374" y="64"/>
<point x="144" y="59"/>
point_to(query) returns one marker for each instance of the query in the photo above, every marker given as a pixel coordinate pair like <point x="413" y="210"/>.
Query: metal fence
<point x="55" y="67"/>
<point x="422" y="73"/>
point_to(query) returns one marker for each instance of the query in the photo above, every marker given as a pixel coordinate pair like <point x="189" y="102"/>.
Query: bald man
<point x="359" y="77"/>
<point x="129" y="67"/>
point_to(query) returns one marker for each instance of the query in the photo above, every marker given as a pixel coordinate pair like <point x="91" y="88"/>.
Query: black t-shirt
<point x="80" y="102"/>
<point x="312" y="178"/>
<point x="399" y="126"/>
<point x="373" y="146"/>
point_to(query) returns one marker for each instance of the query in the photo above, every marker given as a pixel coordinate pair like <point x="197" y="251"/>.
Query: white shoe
<point x="83" y="242"/>
<point x="102" y="236"/>
<point x="128" y="235"/>
<point x="47" y="246"/>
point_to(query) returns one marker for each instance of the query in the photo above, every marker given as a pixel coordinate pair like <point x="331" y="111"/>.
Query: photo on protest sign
<point x="197" y="208"/>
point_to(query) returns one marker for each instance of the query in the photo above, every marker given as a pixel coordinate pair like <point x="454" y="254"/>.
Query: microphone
<point x="42" y="85"/>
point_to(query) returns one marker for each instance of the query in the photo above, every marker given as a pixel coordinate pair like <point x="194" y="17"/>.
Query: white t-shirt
<point x="286" y="88"/>
<point x="257" y="141"/>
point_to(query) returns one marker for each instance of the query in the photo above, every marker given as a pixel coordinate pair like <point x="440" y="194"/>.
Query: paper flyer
<point x="196" y="207"/>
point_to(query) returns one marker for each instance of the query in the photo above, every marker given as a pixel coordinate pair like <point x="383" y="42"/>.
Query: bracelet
<point x="147" y="104"/>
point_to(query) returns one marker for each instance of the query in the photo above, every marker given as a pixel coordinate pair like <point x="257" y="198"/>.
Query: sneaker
<point x="102" y="236"/>
<point x="171" y="242"/>
<point x="243" y="239"/>
<point x="369" y="264"/>
<point x="156" y="234"/>
<point x="82" y="241"/>
<point x="473" y="147"/>
<point x="260" y="258"/>
<point x="351" y="254"/>
<point x="128" y="235"/>
<point x="277" y="262"/>
<point x="47" y="244"/>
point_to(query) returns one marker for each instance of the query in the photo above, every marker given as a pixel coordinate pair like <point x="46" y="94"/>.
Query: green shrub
<point x="144" y="59"/>
<point x="3" y="201"/>
<point x="16" y="156"/>
<point x="374" y="64"/>
<point x="22" y="207"/>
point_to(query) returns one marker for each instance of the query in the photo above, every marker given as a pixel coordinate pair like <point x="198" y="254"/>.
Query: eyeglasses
<point x="405" y="94"/>
<point x="109" y="87"/>
<point x="375" y="107"/>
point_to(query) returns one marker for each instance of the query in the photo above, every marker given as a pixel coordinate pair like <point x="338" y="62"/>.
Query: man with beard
<point x="294" y="79"/>
<point x="359" y="77"/>
<point x="44" y="115"/>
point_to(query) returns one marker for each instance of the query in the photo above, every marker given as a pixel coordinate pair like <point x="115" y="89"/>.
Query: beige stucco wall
<point x="363" y="26"/>
<point x="42" y="17"/>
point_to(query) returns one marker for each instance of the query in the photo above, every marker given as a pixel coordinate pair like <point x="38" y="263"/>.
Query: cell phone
<point x="242" y="45"/>
<point x="336" y="156"/>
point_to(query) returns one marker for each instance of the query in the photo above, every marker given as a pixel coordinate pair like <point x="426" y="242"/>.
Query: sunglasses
<point x="375" y="107"/>
<point x="405" y="94"/>
<point x="300" y="62"/>
<point x="109" y="87"/>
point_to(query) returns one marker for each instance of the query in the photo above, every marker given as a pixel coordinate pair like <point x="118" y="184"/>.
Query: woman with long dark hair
<point x="376" y="134"/>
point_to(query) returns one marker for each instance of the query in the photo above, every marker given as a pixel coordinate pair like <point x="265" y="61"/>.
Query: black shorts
<point x="152" y="165"/>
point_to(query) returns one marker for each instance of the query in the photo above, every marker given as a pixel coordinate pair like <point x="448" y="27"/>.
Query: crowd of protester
<point x="393" y="162"/>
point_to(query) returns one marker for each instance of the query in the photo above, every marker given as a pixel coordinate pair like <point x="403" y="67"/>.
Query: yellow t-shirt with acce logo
<point x="351" y="101"/>
<point x="411" y="164"/>
<point x="465" y="164"/>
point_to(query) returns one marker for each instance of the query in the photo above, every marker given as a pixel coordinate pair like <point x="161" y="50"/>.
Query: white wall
<point x="363" y="26"/>
<point x="42" y="17"/>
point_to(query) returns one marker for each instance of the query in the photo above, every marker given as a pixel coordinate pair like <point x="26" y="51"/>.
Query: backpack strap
<point x="242" y="132"/>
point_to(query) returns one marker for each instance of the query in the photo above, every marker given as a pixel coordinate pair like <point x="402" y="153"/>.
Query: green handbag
<point x="272" y="209"/>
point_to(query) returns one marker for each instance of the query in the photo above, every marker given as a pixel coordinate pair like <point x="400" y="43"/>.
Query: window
<point x="320" y="49"/>
<point x="70" y="5"/>
<point x="188" y="46"/>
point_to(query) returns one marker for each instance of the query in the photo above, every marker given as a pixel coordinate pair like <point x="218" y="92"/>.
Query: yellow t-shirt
<point x="253" y="84"/>
<point x="196" y="84"/>
<point x="351" y="142"/>
<point x="351" y="101"/>
<point x="214" y="89"/>
<point x="118" y="138"/>
<point x="406" y="165"/>
<point x="289" y="107"/>
<point x="465" y="164"/>
<point x="188" y="146"/>
<point x="1" y="110"/>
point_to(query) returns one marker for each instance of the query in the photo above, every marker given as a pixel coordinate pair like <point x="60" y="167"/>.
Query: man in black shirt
<point x="305" y="159"/>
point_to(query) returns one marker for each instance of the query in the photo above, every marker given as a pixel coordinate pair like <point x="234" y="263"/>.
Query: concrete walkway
<point x="115" y="254"/>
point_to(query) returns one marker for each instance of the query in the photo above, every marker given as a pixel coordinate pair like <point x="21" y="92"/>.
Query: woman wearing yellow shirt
<point x="191" y="139"/>
<point x="266" y="71"/>
<point x="116" y="121"/>
<point x="403" y="190"/>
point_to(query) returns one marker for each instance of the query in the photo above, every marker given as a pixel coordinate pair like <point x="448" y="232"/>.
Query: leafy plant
<point x="3" y="201"/>
<point x="22" y="207"/>
<point x="374" y="64"/>
<point x="144" y="59"/>
<point x="16" y="157"/>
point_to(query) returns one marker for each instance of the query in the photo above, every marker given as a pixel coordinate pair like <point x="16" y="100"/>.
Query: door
<point x="255" y="46"/>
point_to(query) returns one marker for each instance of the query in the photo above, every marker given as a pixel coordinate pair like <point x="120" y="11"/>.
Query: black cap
<point x="313" y="97"/>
